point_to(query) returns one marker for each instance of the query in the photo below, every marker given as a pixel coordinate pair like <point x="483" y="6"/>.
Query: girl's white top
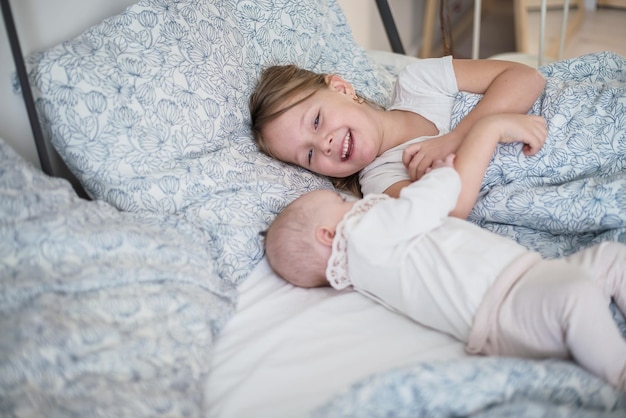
<point x="427" y="87"/>
<point x="410" y="255"/>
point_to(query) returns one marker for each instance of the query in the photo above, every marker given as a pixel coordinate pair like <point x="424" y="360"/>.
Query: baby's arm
<point x="507" y="87"/>
<point x="474" y="154"/>
<point x="425" y="204"/>
<point x="446" y="162"/>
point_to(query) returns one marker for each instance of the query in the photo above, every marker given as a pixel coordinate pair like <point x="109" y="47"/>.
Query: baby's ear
<point x="325" y="235"/>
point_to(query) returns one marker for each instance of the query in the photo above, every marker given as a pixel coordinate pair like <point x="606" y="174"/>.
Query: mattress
<point x="288" y="350"/>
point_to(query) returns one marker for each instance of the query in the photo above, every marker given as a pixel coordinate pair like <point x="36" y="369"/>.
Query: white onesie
<point x="410" y="255"/>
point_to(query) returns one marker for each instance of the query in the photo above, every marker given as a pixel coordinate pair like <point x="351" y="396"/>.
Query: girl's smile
<point x="348" y="145"/>
<point x="328" y="133"/>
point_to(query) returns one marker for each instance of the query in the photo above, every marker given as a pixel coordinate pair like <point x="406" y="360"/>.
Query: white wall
<point x="41" y="24"/>
<point x="368" y="29"/>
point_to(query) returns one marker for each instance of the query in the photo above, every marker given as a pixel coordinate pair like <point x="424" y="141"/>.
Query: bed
<point x="153" y="298"/>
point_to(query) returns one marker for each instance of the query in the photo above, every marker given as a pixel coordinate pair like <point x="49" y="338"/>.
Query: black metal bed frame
<point x="22" y="75"/>
<point x="42" y="149"/>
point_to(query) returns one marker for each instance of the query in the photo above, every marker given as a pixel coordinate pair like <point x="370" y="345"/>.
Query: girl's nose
<point x="326" y="144"/>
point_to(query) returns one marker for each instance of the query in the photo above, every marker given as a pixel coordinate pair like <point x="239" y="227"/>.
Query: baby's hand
<point x="530" y="130"/>
<point x="447" y="162"/>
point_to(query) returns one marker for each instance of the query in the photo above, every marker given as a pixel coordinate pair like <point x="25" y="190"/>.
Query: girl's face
<point x="329" y="133"/>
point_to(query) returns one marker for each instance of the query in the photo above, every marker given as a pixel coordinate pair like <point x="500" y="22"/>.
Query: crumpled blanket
<point x="480" y="387"/>
<point x="571" y="194"/>
<point x="102" y="313"/>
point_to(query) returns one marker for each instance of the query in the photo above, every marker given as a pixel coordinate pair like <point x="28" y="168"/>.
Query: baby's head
<point x="298" y="243"/>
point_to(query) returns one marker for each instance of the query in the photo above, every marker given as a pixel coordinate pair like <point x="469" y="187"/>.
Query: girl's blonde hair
<point x="281" y="84"/>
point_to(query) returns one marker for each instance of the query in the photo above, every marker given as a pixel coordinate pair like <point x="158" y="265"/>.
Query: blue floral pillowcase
<point x="149" y="109"/>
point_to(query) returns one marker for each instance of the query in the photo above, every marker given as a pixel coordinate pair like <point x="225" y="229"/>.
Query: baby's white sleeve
<point x="437" y="190"/>
<point x="421" y="207"/>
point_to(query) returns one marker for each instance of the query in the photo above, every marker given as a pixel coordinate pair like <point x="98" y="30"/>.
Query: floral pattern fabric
<point x="572" y="193"/>
<point x="479" y="387"/>
<point x="149" y="109"/>
<point x="102" y="312"/>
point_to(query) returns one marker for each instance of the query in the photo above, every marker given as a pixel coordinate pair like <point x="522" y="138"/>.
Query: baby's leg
<point x="607" y="262"/>
<point x="556" y="311"/>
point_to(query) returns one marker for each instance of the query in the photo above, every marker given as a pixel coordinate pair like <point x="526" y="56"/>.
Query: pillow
<point x="101" y="312"/>
<point x="149" y="109"/>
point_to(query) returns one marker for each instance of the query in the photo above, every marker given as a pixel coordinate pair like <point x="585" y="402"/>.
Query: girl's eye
<point x="310" y="156"/>
<point x="316" y="122"/>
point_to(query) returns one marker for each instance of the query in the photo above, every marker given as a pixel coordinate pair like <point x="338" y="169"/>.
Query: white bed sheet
<point x="289" y="350"/>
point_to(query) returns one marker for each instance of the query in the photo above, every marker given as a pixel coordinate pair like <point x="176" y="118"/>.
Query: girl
<point x="317" y="121"/>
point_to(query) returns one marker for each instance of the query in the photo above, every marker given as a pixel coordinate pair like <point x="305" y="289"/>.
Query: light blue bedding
<point x="102" y="313"/>
<point x="572" y="194"/>
<point x="480" y="387"/>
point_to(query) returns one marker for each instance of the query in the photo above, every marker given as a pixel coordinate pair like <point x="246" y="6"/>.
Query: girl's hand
<point x="419" y="157"/>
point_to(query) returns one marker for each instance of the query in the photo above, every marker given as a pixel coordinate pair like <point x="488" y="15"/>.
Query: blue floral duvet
<point x="480" y="387"/>
<point x="573" y="192"/>
<point x="102" y="313"/>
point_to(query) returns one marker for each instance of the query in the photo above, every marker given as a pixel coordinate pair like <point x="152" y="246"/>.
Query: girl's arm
<point x="474" y="154"/>
<point x="507" y="87"/>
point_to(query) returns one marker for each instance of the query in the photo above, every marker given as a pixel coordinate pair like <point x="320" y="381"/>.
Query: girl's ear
<point x="339" y="84"/>
<point x="325" y="235"/>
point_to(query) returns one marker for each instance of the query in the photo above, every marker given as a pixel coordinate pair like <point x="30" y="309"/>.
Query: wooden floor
<point x="602" y="29"/>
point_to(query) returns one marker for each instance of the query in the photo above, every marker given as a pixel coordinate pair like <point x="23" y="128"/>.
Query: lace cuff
<point x="337" y="268"/>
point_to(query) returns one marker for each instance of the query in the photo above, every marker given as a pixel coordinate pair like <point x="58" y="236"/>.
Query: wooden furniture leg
<point x="428" y="25"/>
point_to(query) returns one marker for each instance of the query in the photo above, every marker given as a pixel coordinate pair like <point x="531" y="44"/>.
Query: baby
<point x="453" y="276"/>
